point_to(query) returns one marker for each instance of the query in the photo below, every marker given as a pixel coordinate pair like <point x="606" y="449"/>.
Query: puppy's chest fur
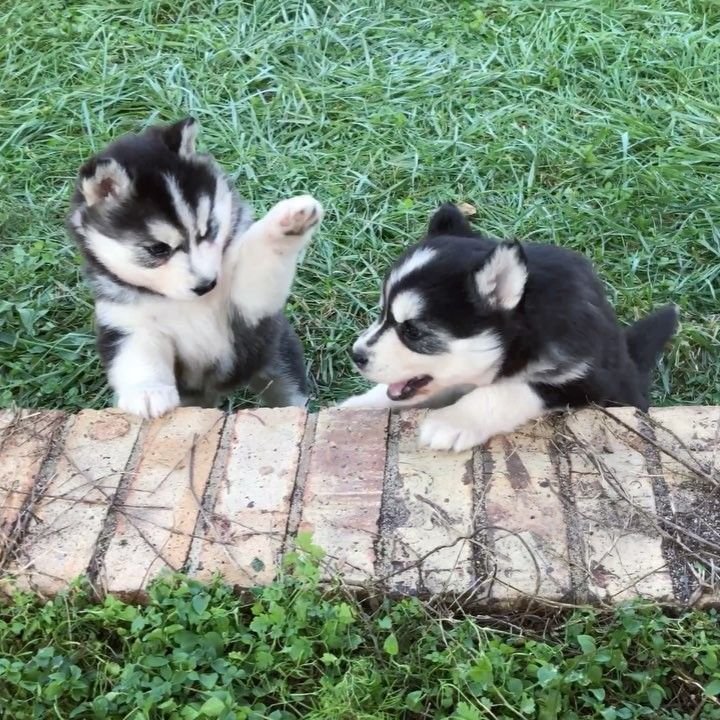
<point x="213" y="346"/>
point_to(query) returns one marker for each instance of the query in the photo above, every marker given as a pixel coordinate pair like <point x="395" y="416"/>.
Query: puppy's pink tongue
<point x="396" y="391"/>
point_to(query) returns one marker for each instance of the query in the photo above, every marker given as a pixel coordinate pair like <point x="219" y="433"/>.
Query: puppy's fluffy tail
<point x="647" y="338"/>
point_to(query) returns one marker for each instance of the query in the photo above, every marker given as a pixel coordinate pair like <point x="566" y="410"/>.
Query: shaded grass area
<point x="293" y="651"/>
<point x="592" y="124"/>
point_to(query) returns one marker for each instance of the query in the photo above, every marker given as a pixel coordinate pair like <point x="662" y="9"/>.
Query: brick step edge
<point x="597" y="506"/>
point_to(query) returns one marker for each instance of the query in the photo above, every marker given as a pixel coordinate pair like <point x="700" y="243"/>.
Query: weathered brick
<point x="157" y="517"/>
<point x="525" y="517"/>
<point x="428" y="516"/>
<point x="693" y="435"/>
<point x="616" y="508"/>
<point x="69" y="515"/>
<point x="25" y="440"/>
<point x="244" y="530"/>
<point x="695" y="428"/>
<point x="343" y="489"/>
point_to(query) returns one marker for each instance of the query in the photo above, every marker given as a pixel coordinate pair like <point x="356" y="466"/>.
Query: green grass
<point x="294" y="651"/>
<point x="593" y="124"/>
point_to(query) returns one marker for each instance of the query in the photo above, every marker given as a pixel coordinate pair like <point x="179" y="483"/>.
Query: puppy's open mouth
<point x="407" y="388"/>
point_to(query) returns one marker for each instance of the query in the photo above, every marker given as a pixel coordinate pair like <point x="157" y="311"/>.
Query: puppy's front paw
<point x="374" y="399"/>
<point x="293" y="221"/>
<point x="449" y="430"/>
<point x="358" y="402"/>
<point x="150" y="400"/>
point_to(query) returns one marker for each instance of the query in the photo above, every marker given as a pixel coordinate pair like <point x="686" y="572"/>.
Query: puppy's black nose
<point x="205" y="287"/>
<point x="359" y="358"/>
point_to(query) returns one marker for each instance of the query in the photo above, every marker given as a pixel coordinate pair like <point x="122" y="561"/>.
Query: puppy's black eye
<point x="159" y="250"/>
<point x="411" y="331"/>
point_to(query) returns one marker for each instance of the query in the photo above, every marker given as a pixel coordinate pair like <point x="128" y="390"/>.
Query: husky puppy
<point x="512" y="330"/>
<point x="189" y="291"/>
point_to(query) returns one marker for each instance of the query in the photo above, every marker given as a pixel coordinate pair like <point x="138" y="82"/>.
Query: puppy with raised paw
<point x="495" y="334"/>
<point x="189" y="291"/>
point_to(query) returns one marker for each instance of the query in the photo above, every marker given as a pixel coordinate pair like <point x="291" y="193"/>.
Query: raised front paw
<point x="150" y="400"/>
<point x="293" y="221"/>
<point x="448" y="430"/>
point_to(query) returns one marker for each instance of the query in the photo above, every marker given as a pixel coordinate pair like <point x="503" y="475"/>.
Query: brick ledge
<point x="593" y="506"/>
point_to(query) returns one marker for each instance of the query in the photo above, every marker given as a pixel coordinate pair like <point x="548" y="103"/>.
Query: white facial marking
<point x="172" y="278"/>
<point x="203" y="215"/>
<point x="417" y="260"/>
<point x="223" y="210"/>
<point x="502" y="279"/>
<point x="164" y="232"/>
<point x="205" y="260"/>
<point x="473" y="361"/>
<point x="407" y="305"/>
<point x="390" y="360"/>
<point x="181" y="207"/>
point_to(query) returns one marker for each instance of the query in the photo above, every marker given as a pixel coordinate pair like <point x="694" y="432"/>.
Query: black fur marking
<point x="448" y="220"/>
<point x="108" y="341"/>
<point x="284" y="378"/>
<point x="171" y="135"/>
<point x="431" y="342"/>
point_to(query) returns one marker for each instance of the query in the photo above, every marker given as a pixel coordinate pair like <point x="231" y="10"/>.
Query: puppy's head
<point x="445" y="309"/>
<point x="153" y="213"/>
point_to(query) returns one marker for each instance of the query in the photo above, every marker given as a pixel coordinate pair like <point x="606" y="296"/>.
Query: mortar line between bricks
<point x="18" y="530"/>
<point x="382" y="544"/>
<point x="110" y="521"/>
<point x="298" y="492"/>
<point x="482" y="470"/>
<point x="203" y="523"/>
<point x="680" y="577"/>
<point x="560" y="457"/>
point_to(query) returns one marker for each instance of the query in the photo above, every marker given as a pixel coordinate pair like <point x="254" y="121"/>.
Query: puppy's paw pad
<point x="149" y="401"/>
<point x="438" y="433"/>
<point x="297" y="216"/>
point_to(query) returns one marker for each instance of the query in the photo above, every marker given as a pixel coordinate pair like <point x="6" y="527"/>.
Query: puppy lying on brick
<point x="512" y="330"/>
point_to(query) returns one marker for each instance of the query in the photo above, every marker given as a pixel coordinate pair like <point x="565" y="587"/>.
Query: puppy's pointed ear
<point x="104" y="181"/>
<point x="180" y="136"/>
<point x="501" y="279"/>
<point x="448" y="220"/>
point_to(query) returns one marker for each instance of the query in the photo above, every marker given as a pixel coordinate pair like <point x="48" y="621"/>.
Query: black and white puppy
<point x="189" y="291"/>
<point x="512" y="330"/>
